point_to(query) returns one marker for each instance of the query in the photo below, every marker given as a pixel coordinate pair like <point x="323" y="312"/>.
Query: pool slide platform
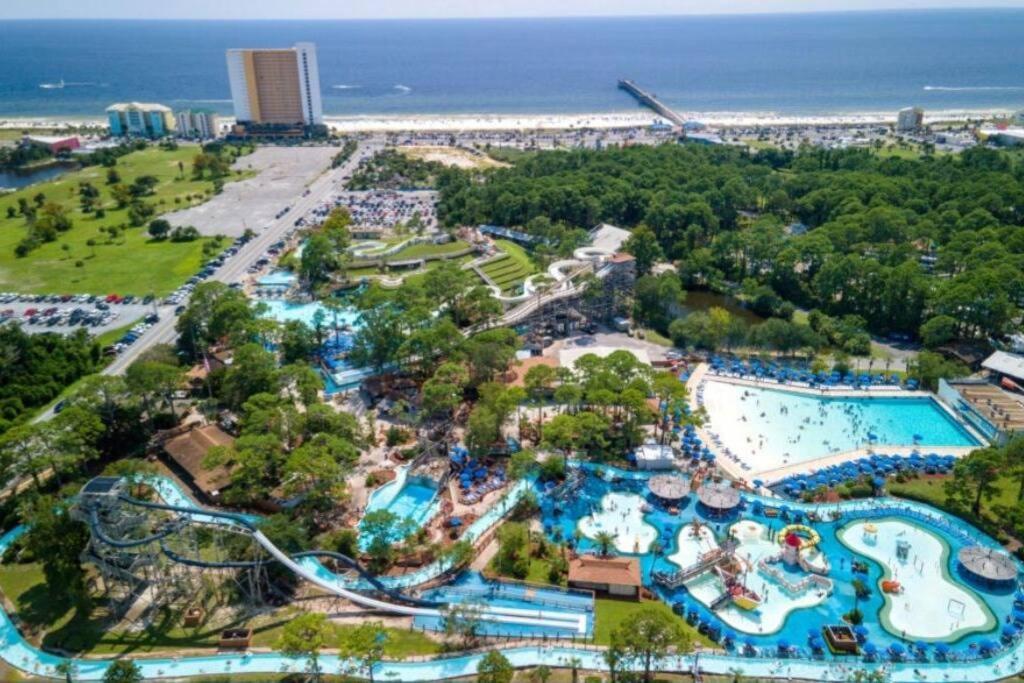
<point x="574" y="623"/>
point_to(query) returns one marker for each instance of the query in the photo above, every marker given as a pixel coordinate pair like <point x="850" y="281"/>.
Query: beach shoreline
<point x="634" y="118"/>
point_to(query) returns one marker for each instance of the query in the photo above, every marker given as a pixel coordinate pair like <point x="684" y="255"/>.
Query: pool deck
<point x="735" y="470"/>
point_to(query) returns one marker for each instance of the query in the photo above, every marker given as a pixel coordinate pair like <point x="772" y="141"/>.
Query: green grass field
<point x="131" y="264"/>
<point x="428" y="249"/>
<point x="932" y="490"/>
<point x="510" y="271"/>
<point x="609" y="613"/>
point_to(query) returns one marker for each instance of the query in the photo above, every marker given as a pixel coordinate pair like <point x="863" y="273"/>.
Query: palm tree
<point x="574" y="663"/>
<point x="605" y="541"/>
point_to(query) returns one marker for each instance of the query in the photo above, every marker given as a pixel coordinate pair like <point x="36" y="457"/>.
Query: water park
<point x="521" y="518"/>
<point x="780" y="587"/>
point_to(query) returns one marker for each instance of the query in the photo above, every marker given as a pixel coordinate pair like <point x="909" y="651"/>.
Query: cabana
<point x="719" y="498"/>
<point x="988" y="565"/>
<point x="669" y="487"/>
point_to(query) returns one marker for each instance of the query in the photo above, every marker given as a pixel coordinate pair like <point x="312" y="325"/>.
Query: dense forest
<point x="929" y="246"/>
<point x="37" y="367"/>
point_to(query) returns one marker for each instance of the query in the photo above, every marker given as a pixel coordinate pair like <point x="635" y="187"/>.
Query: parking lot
<point x="382" y="208"/>
<point x="54" y="314"/>
<point x="283" y="174"/>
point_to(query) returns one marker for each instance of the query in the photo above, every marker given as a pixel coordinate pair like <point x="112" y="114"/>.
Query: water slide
<point x="328" y="582"/>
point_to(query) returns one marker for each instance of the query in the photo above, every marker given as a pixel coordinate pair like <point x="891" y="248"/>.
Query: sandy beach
<point x="380" y="123"/>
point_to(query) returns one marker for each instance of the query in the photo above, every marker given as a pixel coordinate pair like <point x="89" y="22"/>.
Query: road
<point x="235" y="267"/>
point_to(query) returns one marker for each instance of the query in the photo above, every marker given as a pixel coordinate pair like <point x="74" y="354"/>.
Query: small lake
<point x="15" y="179"/>
<point x="700" y="300"/>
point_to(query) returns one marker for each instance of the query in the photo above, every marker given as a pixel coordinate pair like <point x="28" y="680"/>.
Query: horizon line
<point x="512" y="17"/>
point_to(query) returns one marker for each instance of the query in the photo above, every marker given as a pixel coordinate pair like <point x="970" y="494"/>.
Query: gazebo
<point x="669" y="487"/>
<point x="719" y="498"/>
<point x="988" y="565"/>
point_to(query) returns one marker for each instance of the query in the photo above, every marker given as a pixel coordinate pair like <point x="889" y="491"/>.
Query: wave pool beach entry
<point x="770" y="428"/>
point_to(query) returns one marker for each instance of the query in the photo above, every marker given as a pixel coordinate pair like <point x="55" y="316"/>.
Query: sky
<point x="437" y="9"/>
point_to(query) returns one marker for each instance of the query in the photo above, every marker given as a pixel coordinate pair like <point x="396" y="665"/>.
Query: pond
<point x="17" y="178"/>
<point x="702" y="300"/>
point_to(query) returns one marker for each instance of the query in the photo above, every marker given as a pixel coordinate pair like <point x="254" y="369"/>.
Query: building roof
<point x="143" y="106"/>
<point x="617" y="571"/>
<point x="189" y="449"/>
<point x="50" y="139"/>
<point x="1005" y="364"/>
<point x="988" y="563"/>
<point x="651" y="452"/>
<point x="720" y="496"/>
<point x="608" y="237"/>
<point x="669" y="486"/>
<point x="1003" y="409"/>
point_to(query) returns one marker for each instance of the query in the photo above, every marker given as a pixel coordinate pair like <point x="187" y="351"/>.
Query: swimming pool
<point x="769" y="428"/>
<point x="17" y="652"/>
<point x="413" y="499"/>
<point x="277" y="279"/>
<point x="471" y="588"/>
<point x="795" y="603"/>
<point x="284" y="311"/>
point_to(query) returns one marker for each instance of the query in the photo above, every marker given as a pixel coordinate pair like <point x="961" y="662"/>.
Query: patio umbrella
<point x="1010" y="631"/>
<point x="897" y="650"/>
<point x="988" y="646"/>
<point x="861" y="633"/>
<point x="942" y="650"/>
<point x="816" y="643"/>
<point x="1018" y="615"/>
<point x="921" y="646"/>
<point x="783" y="645"/>
<point x="870" y="650"/>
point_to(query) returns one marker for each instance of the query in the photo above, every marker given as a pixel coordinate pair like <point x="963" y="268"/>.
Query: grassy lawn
<point x="609" y="613"/>
<point x="931" y="490"/>
<point x="428" y="249"/>
<point x="131" y="264"/>
<point x="509" y="272"/>
<point x="656" y="337"/>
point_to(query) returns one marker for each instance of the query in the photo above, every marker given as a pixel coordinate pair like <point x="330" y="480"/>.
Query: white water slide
<point x="507" y="615"/>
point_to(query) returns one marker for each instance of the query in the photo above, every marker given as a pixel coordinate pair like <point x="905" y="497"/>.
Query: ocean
<point x="803" y="64"/>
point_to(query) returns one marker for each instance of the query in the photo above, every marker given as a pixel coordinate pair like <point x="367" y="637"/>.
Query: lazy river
<point x="762" y="660"/>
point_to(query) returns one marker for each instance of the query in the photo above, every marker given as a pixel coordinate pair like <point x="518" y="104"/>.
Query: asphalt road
<point x="234" y="268"/>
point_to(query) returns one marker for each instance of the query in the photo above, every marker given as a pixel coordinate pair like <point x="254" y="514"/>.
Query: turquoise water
<point x="412" y="499"/>
<point x="771" y="427"/>
<point x="278" y="278"/>
<point x="283" y="311"/>
<point x="561" y="519"/>
<point x="20" y="654"/>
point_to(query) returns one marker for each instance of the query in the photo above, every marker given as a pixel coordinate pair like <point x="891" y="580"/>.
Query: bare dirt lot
<point x="451" y="156"/>
<point x="283" y="174"/>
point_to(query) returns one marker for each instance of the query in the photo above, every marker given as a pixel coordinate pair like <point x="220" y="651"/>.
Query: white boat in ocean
<point x="53" y="86"/>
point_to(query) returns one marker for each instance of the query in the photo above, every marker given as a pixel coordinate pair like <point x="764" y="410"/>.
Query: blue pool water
<point x="472" y="588"/>
<point x="561" y="519"/>
<point x="769" y="427"/>
<point x="284" y="311"/>
<point x="410" y="498"/>
<point x="278" y="278"/>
